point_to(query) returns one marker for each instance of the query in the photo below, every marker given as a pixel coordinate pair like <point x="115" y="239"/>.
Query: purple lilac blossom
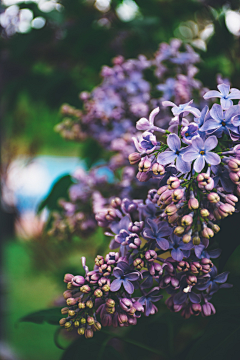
<point x="224" y="95"/>
<point x="200" y="152"/>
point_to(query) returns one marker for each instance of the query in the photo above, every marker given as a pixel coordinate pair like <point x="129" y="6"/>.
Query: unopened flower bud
<point x="177" y="195"/>
<point x="173" y="182"/>
<point x="162" y="189"/>
<point x="71" y="301"/>
<point x="70" y="286"/>
<point x="183" y="266"/>
<point x="196" y="239"/>
<point x="234" y="165"/>
<point x="126" y="304"/>
<point x="173" y="218"/>
<point x="64" y="310"/>
<point x="68" y="325"/>
<point x="67" y="294"/>
<point x="204" y="213"/>
<point x="105" y="269"/>
<point x="106" y="288"/>
<point x="195" y="267"/>
<point x="62" y="321"/>
<point x="122" y="318"/>
<point x="134" y="158"/>
<point x="110" y="303"/>
<point x="150" y="255"/>
<point x="78" y="280"/>
<point x="68" y="278"/>
<point x="110" y="310"/>
<point x="88" y="333"/>
<point x="76" y="323"/>
<point x="138" y="263"/>
<point x="112" y="258"/>
<point x="215" y="228"/>
<point x="206" y="265"/>
<point x="144" y="165"/>
<point x="158" y="169"/>
<point x="116" y="203"/>
<point x="83" y="321"/>
<point x="186" y="220"/>
<point x="207" y="233"/>
<point x="81" y="305"/>
<point x="136" y="227"/>
<point x="213" y="198"/>
<point x="171" y="209"/>
<point x="90" y="320"/>
<point x="231" y="199"/>
<point x="179" y="230"/>
<point x="71" y="313"/>
<point x="193" y="204"/>
<point x="208" y="309"/>
<point x="98" y="293"/>
<point x="234" y="176"/>
<point x="99" y="260"/>
<point x="195" y="309"/>
<point x="85" y="289"/>
<point x="89" y="304"/>
<point x="97" y="325"/>
<point x="191" y="280"/>
<point x="187" y="238"/>
<point x="81" y="331"/>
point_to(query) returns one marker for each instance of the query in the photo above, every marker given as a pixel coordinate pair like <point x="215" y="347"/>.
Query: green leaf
<point x="58" y="190"/>
<point x="50" y="316"/>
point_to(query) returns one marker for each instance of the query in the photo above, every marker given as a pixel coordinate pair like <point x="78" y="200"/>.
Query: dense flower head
<point x="189" y="166"/>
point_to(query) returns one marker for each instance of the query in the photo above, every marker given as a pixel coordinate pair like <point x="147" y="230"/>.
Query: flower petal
<point x="173" y="142"/>
<point x="236" y="120"/>
<point x="153" y="114"/>
<point x="212" y="93"/>
<point x="117" y="272"/>
<point x="166" y="157"/>
<point x="210" y="125"/>
<point x="115" y="285"/>
<point x="194" y="298"/>
<point x="179" y="298"/>
<point x="190" y="155"/>
<point x="234" y="94"/>
<point x="226" y="103"/>
<point x="128" y="286"/>
<point x="224" y="88"/>
<point x="221" y="278"/>
<point x="182" y="165"/>
<point x="198" y="143"/>
<point x="212" y="158"/>
<point x="177" y="254"/>
<point x="210" y="143"/>
<point x="216" y="112"/>
<point x="134" y="276"/>
<point x="162" y="243"/>
<point x="199" y="163"/>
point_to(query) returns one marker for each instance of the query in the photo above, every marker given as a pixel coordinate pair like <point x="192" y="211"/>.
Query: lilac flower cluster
<point x="163" y="243"/>
<point x="109" y="116"/>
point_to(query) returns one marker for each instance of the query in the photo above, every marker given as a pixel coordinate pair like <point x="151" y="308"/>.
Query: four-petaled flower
<point x="148" y="299"/>
<point x="200" y="152"/>
<point x="157" y="232"/>
<point x="179" y="249"/>
<point x="168" y="157"/>
<point x="224" y="95"/>
<point x="221" y="122"/>
<point x="124" y="277"/>
<point x="189" y="133"/>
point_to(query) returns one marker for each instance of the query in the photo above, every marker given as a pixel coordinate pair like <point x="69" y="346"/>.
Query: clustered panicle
<point x="109" y="116"/>
<point x="165" y="244"/>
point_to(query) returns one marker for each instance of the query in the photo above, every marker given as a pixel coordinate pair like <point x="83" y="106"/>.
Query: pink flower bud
<point x="134" y="158"/>
<point x="231" y="199"/>
<point x="234" y="164"/>
<point x="204" y="212"/>
<point x="173" y="182"/>
<point x="177" y="195"/>
<point x="187" y="238"/>
<point x="158" y="169"/>
<point x="186" y="220"/>
<point x="173" y="218"/>
<point x="162" y="189"/>
<point x="78" y="280"/>
<point x="213" y="198"/>
<point x="67" y="294"/>
<point x="171" y="209"/>
<point x="193" y="204"/>
<point x="201" y="177"/>
<point x="166" y="197"/>
<point x="126" y="304"/>
<point x="207" y="233"/>
<point x="179" y="230"/>
<point x="143" y="176"/>
<point x="191" y="280"/>
<point x="150" y="255"/>
<point x="71" y="301"/>
<point x="68" y="278"/>
<point x="144" y="165"/>
<point x="234" y="177"/>
<point x="208" y="309"/>
<point x="195" y="309"/>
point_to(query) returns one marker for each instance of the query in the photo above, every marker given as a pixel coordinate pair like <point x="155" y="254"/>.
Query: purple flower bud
<point x="126" y="304"/>
<point x="143" y="176"/>
<point x="105" y="269"/>
<point x="116" y="203"/>
<point x="133" y="241"/>
<point x="183" y="266"/>
<point x="195" y="267"/>
<point x="139" y="309"/>
<point x="196" y="309"/>
<point x="68" y="278"/>
<point x="106" y="319"/>
<point x="206" y="265"/>
<point x="158" y="169"/>
<point x="191" y="280"/>
<point x="78" y="280"/>
<point x="122" y="318"/>
<point x="208" y="309"/>
<point x="112" y="258"/>
<point x="134" y="158"/>
<point x="92" y="277"/>
<point x="171" y="306"/>
<point x="156" y="270"/>
<point x="136" y="227"/>
<point x="150" y="255"/>
<point x="193" y="204"/>
<point x="173" y="182"/>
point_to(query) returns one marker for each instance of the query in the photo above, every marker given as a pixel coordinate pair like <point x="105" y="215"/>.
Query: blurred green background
<point x="48" y="62"/>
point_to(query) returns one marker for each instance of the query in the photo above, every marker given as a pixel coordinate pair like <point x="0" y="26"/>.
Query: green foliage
<point x="59" y="190"/>
<point x="50" y="316"/>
